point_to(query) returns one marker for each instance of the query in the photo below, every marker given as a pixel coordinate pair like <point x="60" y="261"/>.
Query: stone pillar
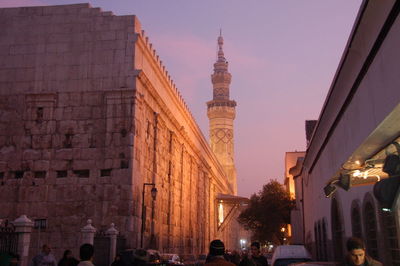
<point x="23" y="226"/>
<point x="88" y="233"/>
<point x="112" y="234"/>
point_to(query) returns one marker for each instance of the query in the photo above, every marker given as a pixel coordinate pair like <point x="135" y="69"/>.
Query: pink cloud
<point x="196" y="57"/>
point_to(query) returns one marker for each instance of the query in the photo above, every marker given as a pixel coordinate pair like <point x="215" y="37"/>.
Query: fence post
<point x="112" y="234"/>
<point x="23" y="226"/>
<point x="88" y="233"/>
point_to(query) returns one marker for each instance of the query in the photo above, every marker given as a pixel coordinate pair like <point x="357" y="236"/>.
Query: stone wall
<point x="88" y="114"/>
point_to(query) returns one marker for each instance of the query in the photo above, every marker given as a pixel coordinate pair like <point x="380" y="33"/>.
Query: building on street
<point x="347" y="183"/>
<point x="92" y="126"/>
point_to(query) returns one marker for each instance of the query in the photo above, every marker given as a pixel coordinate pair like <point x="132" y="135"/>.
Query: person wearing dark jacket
<point x="68" y="259"/>
<point x="216" y="256"/>
<point x="256" y="259"/>
<point x="356" y="254"/>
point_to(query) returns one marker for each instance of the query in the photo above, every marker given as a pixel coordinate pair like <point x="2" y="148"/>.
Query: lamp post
<point x="153" y="195"/>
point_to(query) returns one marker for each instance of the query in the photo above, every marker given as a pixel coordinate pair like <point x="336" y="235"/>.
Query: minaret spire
<point x="221" y="113"/>
<point x="221" y="57"/>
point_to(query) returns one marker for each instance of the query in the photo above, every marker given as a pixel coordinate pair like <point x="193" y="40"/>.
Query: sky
<point x="282" y="55"/>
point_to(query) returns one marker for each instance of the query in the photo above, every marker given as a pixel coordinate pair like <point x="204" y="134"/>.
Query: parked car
<point x="287" y="254"/>
<point x="171" y="259"/>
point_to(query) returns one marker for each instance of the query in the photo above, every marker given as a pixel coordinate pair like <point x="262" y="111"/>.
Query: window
<point x="105" y="172"/>
<point x="18" y="174"/>
<point x="40" y="174"/>
<point x="370" y="230"/>
<point x="337" y="231"/>
<point x="68" y="140"/>
<point x="40" y="224"/>
<point x="62" y="174"/>
<point x="317" y="241"/>
<point x="321" y="240"/>
<point x="356" y="222"/>
<point x="39" y="115"/>
<point x="390" y="235"/>
<point x="324" y="241"/>
<point x="171" y="133"/>
<point x="82" y="173"/>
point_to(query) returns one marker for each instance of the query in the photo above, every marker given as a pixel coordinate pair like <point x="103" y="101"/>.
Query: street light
<point x="153" y="196"/>
<point x="242" y="243"/>
<point x="154" y="193"/>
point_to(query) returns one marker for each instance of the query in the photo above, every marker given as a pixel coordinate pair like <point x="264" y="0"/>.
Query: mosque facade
<point x="92" y="125"/>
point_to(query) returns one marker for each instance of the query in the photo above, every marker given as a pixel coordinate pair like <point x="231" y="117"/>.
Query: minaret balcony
<point x="228" y="103"/>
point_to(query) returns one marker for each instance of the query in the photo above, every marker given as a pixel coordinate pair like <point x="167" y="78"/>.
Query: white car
<point x="287" y="254"/>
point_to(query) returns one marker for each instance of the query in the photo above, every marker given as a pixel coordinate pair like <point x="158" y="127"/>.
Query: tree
<point x="268" y="211"/>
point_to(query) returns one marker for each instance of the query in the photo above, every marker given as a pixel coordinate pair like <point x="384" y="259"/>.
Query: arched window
<point x="324" y="241"/>
<point x="317" y="240"/>
<point x="337" y="231"/>
<point x="390" y="234"/>
<point x="370" y="230"/>
<point x="321" y="252"/>
<point x="356" y="221"/>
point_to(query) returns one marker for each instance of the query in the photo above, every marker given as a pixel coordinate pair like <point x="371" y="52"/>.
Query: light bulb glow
<point x="356" y="173"/>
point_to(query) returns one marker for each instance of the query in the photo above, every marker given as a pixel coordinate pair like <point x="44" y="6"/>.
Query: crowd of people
<point x="217" y="256"/>
<point x="46" y="258"/>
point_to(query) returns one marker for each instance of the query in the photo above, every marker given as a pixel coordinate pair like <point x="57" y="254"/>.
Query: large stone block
<point x="92" y="99"/>
<point x="81" y="112"/>
<point x="41" y="165"/>
<point x="41" y="141"/>
<point x="75" y="98"/>
<point x="97" y="112"/>
<point x="106" y="35"/>
<point x="67" y="126"/>
<point x="91" y="153"/>
<point x="3" y="166"/>
<point x="31" y="154"/>
<point x="63" y="154"/>
<point x="83" y="164"/>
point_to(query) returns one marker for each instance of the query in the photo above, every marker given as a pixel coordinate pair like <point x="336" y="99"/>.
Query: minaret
<point x="221" y="113"/>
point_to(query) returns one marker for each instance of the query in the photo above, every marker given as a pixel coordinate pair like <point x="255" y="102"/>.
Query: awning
<point x="234" y="203"/>
<point x="231" y="199"/>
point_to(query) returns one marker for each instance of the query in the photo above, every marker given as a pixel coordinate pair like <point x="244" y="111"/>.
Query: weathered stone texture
<point x="89" y="114"/>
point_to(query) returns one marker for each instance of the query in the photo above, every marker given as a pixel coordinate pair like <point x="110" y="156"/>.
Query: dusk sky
<point x="282" y="55"/>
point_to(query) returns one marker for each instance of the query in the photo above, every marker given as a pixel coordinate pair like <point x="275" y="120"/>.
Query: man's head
<point x="67" y="254"/>
<point x="356" y="251"/>
<point x="86" y="252"/>
<point x="217" y="248"/>
<point x="255" y="249"/>
<point x="46" y="249"/>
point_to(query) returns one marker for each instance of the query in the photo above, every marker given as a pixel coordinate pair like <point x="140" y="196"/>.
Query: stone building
<point x="91" y="124"/>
